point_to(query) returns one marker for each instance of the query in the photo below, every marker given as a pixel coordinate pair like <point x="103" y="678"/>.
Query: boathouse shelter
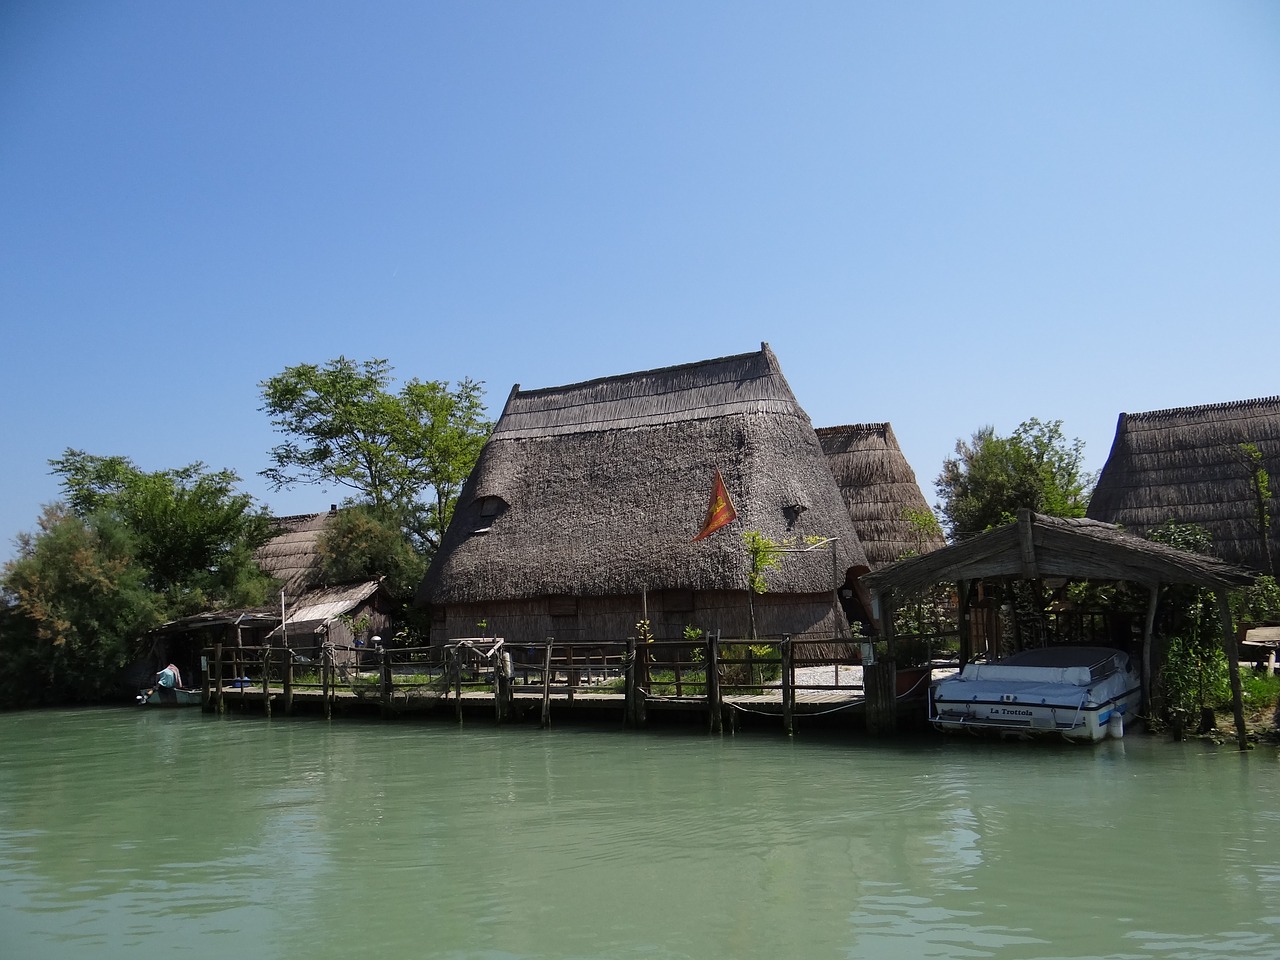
<point x="880" y="491"/>
<point x="1037" y="547"/>
<point x="1195" y="465"/>
<point x="580" y="515"/>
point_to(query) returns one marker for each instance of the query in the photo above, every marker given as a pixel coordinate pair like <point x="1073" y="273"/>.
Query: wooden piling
<point x="788" y="688"/>
<point x="288" y="681"/>
<point x="326" y="681"/>
<point x="384" y="667"/>
<point x="217" y="672"/>
<point x="880" y="680"/>
<point x="715" y="705"/>
<point x="266" y="680"/>
<point x="545" y="720"/>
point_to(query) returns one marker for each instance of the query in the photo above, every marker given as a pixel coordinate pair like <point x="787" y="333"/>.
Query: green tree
<point x="358" y="544"/>
<point x="76" y="602"/>
<point x="405" y="454"/>
<point x="192" y="533"/>
<point x="991" y="477"/>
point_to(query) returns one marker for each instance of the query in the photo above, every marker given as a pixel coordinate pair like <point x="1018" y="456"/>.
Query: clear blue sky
<point x="939" y="214"/>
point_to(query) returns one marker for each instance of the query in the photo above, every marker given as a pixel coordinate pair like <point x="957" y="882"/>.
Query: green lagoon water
<point x="128" y="833"/>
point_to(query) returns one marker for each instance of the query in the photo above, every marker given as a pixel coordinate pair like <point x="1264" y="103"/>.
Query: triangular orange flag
<point x="720" y="511"/>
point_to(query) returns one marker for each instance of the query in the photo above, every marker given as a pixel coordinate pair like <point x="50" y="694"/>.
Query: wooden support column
<point x="457" y="683"/>
<point x="288" y="681"/>
<point x="326" y="681"/>
<point x="266" y="679"/>
<point x="880" y="679"/>
<point x="206" y="703"/>
<point x="788" y="687"/>
<point x="219" y="702"/>
<point x="633" y="715"/>
<point x="880" y="683"/>
<point x="385" y="683"/>
<point x="545" y="720"/>
<point x="963" y="625"/>
<point x="1148" y="629"/>
<point x="501" y="688"/>
<point x="1232" y="650"/>
<point x="714" y="703"/>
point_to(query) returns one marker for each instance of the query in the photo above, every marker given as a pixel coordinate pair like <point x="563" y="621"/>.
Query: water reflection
<point x="122" y="830"/>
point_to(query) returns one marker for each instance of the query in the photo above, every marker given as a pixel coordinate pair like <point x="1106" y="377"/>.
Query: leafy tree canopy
<point x="191" y="532"/>
<point x="991" y="477"/>
<point x="76" y="602"/>
<point x="358" y="544"/>
<point x="405" y="454"/>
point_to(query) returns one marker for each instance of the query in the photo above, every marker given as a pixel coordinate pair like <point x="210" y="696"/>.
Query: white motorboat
<point x="1080" y="693"/>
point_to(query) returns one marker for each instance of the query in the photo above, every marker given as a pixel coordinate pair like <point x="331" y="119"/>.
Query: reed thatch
<point x="1037" y="547"/>
<point x="880" y="491"/>
<point x="588" y="495"/>
<point x="292" y="555"/>
<point x="1186" y="465"/>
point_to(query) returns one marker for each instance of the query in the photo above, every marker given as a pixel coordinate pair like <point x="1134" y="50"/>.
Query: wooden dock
<point x="479" y="679"/>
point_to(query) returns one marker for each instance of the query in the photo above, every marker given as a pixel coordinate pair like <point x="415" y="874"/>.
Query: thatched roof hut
<point x="880" y="491"/>
<point x="1187" y="464"/>
<point x="292" y="554"/>
<point x="588" y="496"/>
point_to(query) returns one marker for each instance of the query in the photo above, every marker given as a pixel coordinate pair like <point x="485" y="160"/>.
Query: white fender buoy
<point x="1115" y="726"/>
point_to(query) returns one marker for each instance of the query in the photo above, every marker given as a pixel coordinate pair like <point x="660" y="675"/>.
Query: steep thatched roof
<point x="879" y="489"/>
<point x="597" y="488"/>
<point x="1185" y="464"/>
<point x="292" y="554"/>
<point x="1037" y="546"/>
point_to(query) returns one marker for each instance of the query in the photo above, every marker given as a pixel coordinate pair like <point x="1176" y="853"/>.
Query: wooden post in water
<point x="457" y="683"/>
<point x="266" y="679"/>
<point x="1232" y="651"/>
<point x="205" y="703"/>
<point x="545" y="721"/>
<point x="880" y="679"/>
<point x="714" y="703"/>
<point x="788" y="687"/>
<point x="502" y="695"/>
<point x="217" y="672"/>
<point x="570" y="676"/>
<point x="880" y="682"/>
<point x="384" y="657"/>
<point x="288" y="681"/>
<point x="326" y="680"/>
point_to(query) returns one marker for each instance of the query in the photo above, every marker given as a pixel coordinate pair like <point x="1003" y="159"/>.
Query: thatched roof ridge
<point x="748" y="382"/>
<point x="879" y="488"/>
<point x="292" y="554"/>
<point x="1185" y="464"/>
<point x="597" y="489"/>
<point x="1038" y="546"/>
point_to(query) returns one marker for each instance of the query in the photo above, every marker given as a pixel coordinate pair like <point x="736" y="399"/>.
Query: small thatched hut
<point x="1191" y="465"/>
<point x="581" y="510"/>
<point x="880" y="491"/>
<point x="313" y="612"/>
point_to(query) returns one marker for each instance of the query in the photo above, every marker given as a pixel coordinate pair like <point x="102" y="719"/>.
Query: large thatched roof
<point x="1037" y="546"/>
<point x="292" y="554"/>
<point x="1185" y="464"/>
<point x="880" y="491"/>
<point x="597" y="488"/>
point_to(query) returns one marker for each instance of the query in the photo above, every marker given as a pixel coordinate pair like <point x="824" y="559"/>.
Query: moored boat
<point x="168" y="697"/>
<point x="1080" y="693"/>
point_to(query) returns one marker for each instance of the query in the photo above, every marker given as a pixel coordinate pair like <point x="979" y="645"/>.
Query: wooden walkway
<point x="477" y="679"/>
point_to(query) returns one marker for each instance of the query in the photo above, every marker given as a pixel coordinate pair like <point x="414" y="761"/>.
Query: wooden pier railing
<point x="727" y="680"/>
